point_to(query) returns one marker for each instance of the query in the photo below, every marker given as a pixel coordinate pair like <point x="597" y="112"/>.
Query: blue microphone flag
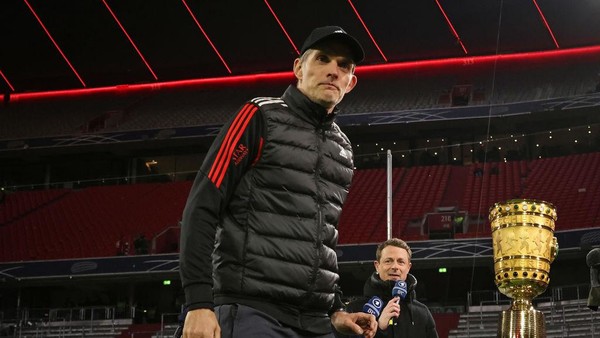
<point x="373" y="306"/>
<point x="400" y="289"/>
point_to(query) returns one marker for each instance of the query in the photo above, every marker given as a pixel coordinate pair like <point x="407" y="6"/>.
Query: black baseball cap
<point x="337" y="33"/>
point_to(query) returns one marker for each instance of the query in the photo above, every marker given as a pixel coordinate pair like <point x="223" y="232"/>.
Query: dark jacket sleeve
<point x="430" y="326"/>
<point x="237" y="146"/>
<point x="353" y="306"/>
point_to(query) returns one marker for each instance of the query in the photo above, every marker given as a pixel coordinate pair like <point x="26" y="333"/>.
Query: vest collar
<point x="306" y="109"/>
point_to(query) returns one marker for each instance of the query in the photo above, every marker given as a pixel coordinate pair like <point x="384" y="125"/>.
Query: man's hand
<point x="391" y="310"/>
<point x="201" y="323"/>
<point x="354" y="323"/>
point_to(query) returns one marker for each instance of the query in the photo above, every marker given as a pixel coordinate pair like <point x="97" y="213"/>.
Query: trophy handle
<point x="553" y="249"/>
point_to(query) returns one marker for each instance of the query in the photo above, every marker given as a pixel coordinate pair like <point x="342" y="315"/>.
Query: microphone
<point x="373" y="306"/>
<point x="593" y="261"/>
<point x="593" y="258"/>
<point x="400" y="289"/>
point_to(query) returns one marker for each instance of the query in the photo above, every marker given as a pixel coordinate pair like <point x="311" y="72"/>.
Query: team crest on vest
<point x="239" y="153"/>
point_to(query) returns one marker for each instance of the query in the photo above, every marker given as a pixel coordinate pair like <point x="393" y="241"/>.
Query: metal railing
<point x="555" y="294"/>
<point x="39" y="322"/>
<point x="567" y="314"/>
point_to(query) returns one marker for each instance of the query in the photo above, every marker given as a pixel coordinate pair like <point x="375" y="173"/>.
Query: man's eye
<point x="345" y="66"/>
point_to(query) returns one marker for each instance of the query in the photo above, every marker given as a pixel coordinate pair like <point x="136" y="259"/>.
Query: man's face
<point x="394" y="263"/>
<point x="325" y="74"/>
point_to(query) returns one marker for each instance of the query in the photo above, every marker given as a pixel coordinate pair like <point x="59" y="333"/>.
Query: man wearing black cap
<point x="259" y="228"/>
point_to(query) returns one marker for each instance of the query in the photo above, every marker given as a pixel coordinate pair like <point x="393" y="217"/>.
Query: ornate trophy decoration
<point x="524" y="246"/>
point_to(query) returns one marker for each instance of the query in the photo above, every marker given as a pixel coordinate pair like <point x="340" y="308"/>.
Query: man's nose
<point x="333" y="70"/>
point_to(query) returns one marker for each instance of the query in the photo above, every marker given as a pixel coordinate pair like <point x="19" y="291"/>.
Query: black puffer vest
<point x="277" y="241"/>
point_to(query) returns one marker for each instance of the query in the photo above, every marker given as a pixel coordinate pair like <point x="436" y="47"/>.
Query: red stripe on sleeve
<point x="234" y="133"/>
<point x="259" y="152"/>
<point x="224" y="145"/>
<point x="231" y="148"/>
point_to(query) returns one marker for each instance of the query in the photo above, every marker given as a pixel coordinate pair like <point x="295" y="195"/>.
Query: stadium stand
<point x="496" y="182"/>
<point x="403" y="90"/>
<point x="88" y="222"/>
<point x="83" y="222"/>
<point x="365" y="206"/>
<point x="190" y="107"/>
<point x="563" y="319"/>
<point x="568" y="182"/>
<point x="63" y="223"/>
<point x="57" y="117"/>
<point x="98" y="329"/>
<point x="572" y="184"/>
<point x="18" y="205"/>
<point x="79" y="322"/>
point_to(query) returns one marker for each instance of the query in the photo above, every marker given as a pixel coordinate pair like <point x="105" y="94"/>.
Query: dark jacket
<point x="265" y="206"/>
<point x="415" y="319"/>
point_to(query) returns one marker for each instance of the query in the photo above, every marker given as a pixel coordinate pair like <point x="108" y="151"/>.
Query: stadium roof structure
<point x="69" y="44"/>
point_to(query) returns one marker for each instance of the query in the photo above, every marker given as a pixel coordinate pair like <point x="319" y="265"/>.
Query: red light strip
<point x="529" y="56"/>
<point x="54" y="42"/>
<point x="282" y="28"/>
<point x="209" y="82"/>
<point x="206" y="36"/>
<point x="240" y="79"/>
<point x="130" y="40"/>
<point x="546" y="23"/>
<point x="7" y="82"/>
<point x="367" y="29"/>
<point x="452" y="27"/>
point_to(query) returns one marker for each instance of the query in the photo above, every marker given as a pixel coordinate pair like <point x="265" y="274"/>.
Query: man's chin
<point x="327" y="103"/>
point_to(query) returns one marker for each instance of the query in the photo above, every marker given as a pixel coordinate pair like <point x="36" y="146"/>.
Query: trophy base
<point x="527" y="323"/>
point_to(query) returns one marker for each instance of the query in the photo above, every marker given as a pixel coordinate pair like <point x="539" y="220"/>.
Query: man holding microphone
<point x="402" y="315"/>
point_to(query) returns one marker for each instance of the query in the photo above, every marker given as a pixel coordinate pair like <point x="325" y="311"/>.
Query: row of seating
<point x="562" y="319"/>
<point x="18" y="205"/>
<point x="570" y="183"/>
<point x="66" y="223"/>
<point x="397" y="91"/>
<point x="89" y="222"/>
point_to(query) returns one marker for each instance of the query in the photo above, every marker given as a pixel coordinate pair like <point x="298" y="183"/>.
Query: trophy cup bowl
<point x="524" y="247"/>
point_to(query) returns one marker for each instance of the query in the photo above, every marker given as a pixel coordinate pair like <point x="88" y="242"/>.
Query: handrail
<point x="553" y="295"/>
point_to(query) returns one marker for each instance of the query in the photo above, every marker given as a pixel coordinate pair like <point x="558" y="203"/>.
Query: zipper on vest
<point x="317" y="245"/>
<point x="319" y="201"/>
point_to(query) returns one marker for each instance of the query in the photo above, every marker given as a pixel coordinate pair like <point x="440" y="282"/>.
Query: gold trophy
<point x="524" y="246"/>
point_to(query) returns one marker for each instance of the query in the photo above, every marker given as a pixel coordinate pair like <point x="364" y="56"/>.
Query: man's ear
<point x="298" y="68"/>
<point x="352" y="83"/>
<point x="376" y="263"/>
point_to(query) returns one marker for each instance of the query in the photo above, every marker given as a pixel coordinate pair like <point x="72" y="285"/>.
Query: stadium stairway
<point x="563" y="319"/>
<point x="62" y="329"/>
